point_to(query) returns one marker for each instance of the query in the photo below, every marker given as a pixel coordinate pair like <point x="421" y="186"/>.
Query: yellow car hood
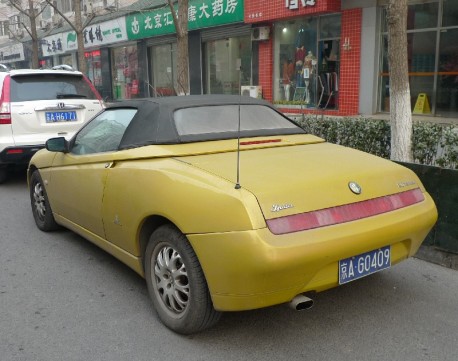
<point x="290" y="179"/>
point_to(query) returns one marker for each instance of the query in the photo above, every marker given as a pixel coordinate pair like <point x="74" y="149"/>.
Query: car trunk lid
<point x="302" y="178"/>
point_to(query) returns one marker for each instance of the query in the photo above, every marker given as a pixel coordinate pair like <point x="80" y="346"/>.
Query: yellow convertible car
<point x="223" y="204"/>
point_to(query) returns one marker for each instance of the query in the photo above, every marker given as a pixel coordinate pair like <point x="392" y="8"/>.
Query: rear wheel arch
<point x="149" y="225"/>
<point x="30" y="171"/>
<point x="41" y="208"/>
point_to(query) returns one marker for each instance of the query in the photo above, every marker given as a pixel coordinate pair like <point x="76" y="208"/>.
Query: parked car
<point x="224" y="204"/>
<point x="39" y="104"/>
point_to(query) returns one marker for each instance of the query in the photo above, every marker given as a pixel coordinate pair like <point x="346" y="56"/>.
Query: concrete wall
<point x="442" y="185"/>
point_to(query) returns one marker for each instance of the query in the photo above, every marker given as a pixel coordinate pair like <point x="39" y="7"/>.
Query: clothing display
<point x="288" y="74"/>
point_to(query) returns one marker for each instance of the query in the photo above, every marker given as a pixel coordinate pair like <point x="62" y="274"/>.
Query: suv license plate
<point x="53" y="117"/>
<point x="364" y="264"/>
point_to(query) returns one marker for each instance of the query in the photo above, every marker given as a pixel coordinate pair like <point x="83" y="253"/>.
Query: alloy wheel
<point x="172" y="282"/>
<point x="39" y="201"/>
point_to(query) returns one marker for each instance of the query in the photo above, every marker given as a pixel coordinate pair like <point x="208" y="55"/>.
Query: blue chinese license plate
<point x="53" y="117"/>
<point x="364" y="264"/>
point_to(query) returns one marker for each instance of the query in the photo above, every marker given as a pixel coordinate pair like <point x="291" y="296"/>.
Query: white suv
<point x="36" y="105"/>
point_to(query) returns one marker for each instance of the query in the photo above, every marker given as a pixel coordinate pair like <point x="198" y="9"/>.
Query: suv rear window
<point x="49" y="86"/>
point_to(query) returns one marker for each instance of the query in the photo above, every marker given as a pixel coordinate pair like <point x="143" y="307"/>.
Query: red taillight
<point x="253" y="142"/>
<point x="345" y="213"/>
<point x="5" y="112"/>
<point x="5" y="118"/>
<point x="14" y="151"/>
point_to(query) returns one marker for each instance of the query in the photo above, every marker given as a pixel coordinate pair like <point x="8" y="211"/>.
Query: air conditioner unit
<point x="57" y="20"/>
<point x="260" y="33"/>
<point x="254" y="91"/>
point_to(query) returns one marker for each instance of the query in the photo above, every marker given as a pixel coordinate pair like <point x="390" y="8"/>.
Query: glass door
<point x="228" y="65"/>
<point x="163" y="64"/>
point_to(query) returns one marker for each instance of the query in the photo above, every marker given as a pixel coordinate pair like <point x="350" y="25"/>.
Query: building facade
<point x="326" y="56"/>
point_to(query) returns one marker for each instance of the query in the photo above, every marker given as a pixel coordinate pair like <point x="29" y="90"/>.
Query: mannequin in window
<point x="309" y="62"/>
<point x="287" y="75"/>
<point x="300" y="54"/>
<point x="305" y="41"/>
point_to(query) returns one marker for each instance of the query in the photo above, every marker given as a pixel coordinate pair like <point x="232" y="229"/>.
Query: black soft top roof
<point x="154" y="124"/>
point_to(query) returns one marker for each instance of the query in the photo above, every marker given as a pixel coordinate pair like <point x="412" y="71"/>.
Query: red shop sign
<point x="260" y="10"/>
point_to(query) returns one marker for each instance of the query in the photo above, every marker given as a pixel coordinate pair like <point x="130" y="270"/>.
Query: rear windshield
<point x="222" y="122"/>
<point x="49" y="86"/>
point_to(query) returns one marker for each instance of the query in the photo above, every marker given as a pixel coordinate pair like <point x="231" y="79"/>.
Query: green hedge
<point x="433" y="144"/>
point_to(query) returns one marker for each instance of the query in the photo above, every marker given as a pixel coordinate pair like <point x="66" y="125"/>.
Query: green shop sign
<point x="201" y="14"/>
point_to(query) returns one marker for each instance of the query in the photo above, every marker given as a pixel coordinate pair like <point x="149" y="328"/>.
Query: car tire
<point x="41" y="208"/>
<point x="3" y="174"/>
<point x="176" y="283"/>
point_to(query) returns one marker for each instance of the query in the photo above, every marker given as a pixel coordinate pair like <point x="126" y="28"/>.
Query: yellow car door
<point x="77" y="178"/>
<point x="78" y="182"/>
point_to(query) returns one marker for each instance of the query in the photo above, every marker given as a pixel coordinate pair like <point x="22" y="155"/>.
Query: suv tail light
<point x="5" y="110"/>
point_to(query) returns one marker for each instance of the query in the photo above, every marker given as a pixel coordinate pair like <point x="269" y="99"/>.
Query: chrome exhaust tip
<point x="301" y="303"/>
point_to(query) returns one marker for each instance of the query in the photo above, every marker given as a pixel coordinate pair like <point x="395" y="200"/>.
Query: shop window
<point x="421" y="49"/>
<point x="125" y="72"/>
<point x="4" y="25"/>
<point x="15" y="22"/>
<point x="227" y="65"/>
<point x="66" y="60"/>
<point x="164" y="67"/>
<point x="437" y="81"/>
<point x="306" y="62"/>
<point x="422" y="16"/>
<point x="447" y="86"/>
<point x="450" y="17"/>
<point x="94" y="68"/>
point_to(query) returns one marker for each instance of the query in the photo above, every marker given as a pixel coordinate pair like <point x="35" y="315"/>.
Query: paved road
<point x="64" y="299"/>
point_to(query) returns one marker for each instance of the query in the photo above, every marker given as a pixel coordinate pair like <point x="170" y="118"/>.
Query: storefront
<point x="110" y="59"/>
<point x="309" y="53"/>
<point x="219" y="48"/>
<point x="13" y="56"/>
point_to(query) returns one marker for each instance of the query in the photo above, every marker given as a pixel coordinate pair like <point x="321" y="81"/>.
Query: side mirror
<point x="59" y="144"/>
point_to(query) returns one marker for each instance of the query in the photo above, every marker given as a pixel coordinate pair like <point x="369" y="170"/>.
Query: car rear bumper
<point x="254" y="269"/>
<point x="18" y="154"/>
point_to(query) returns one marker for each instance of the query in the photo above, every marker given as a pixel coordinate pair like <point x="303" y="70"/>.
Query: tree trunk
<point x="82" y="66"/>
<point x="400" y="107"/>
<point x="33" y="35"/>
<point x="181" y="26"/>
